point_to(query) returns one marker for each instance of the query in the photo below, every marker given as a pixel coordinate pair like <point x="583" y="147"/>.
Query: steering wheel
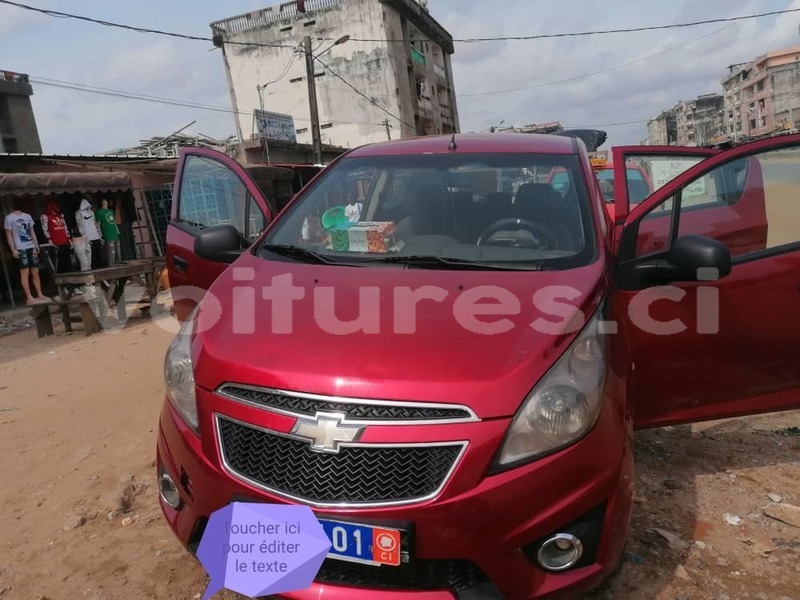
<point x="549" y="240"/>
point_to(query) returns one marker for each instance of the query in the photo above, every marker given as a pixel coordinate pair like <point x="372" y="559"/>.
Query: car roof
<point x="471" y="143"/>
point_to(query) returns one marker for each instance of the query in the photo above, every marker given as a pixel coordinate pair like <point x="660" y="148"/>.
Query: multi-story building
<point x="18" y="131"/>
<point x="392" y="78"/>
<point x="699" y="122"/>
<point x="662" y="131"/>
<point x="762" y="97"/>
<point x="732" y="100"/>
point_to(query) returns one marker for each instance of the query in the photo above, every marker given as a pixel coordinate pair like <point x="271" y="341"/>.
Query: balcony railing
<point x="268" y="16"/>
<point x="13" y="77"/>
<point x="439" y="70"/>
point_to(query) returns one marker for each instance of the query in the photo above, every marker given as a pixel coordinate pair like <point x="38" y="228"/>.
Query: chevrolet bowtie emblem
<point x="326" y="431"/>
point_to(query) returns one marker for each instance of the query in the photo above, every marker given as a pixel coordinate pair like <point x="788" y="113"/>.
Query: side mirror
<point x="690" y="258"/>
<point x="699" y="258"/>
<point x="221" y="243"/>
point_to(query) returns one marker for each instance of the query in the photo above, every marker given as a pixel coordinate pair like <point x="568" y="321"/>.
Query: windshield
<point x="496" y="209"/>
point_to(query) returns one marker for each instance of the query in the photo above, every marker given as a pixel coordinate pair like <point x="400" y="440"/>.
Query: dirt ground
<point x="80" y="517"/>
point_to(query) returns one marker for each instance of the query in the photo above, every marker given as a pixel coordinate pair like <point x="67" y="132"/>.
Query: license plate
<point x="363" y="543"/>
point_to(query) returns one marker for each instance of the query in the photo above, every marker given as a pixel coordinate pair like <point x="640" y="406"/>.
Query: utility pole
<point x="261" y="89"/>
<point x="388" y="128"/>
<point x="312" y="101"/>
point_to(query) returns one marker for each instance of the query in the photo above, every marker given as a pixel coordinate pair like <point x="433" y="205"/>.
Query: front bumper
<point x="477" y="539"/>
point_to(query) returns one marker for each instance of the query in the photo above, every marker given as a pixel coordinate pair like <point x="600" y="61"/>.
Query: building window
<point x="303" y="130"/>
<point x="287" y="28"/>
<point x="309" y="23"/>
<point x="295" y="80"/>
<point x="326" y="126"/>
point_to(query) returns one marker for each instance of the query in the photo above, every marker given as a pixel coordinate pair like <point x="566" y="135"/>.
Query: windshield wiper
<point x="433" y="262"/>
<point x="301" y="254"/>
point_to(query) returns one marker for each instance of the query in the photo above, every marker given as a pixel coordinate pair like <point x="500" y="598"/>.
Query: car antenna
<point x="453" y="145"/>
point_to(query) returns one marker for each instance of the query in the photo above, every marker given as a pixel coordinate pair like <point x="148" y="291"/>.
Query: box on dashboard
<point x="368" y="236"/>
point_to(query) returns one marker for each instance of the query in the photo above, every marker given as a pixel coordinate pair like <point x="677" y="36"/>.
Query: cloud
<point x="689" y="62"/>
<point x="692" y="62"/>
<point x="163" y="69"/>
<point x="16" y="20"/>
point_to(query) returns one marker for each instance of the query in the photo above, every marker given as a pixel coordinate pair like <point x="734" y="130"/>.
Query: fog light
<point x="560" y="552"/>
<point x="169" y="493"/>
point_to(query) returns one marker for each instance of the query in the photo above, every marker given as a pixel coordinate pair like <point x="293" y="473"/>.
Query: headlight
<point x="179" y="373"/>
<point x="564" y="405"/>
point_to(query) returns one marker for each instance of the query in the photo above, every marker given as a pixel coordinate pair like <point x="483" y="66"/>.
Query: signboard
<point x="275" y="126"/>
<point x="664" y="171"/>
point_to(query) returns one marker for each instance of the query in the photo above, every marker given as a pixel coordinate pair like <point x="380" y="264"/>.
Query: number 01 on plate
<point x="363" y="543"/>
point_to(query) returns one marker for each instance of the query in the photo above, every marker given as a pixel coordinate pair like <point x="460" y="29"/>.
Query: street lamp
<point x="316" y="135"/>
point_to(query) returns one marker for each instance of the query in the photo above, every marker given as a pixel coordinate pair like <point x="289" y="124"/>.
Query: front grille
<point x="357" y="474"/>
<point x="305" y="405"/>
<point x="420" y="575"/>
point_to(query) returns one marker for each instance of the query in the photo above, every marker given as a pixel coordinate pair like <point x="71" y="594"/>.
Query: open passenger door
<point x="211" y="190"/>
<point x="704" y="347"/>
<point x="658" y="164"/>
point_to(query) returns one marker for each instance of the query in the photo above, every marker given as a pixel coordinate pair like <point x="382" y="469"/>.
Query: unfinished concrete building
<point x="18" y="131"/>
<point x="762" y="97"/>
<point x="392" y="78"/>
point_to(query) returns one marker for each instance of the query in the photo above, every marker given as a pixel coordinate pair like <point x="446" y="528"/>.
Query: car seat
<point x="540" y="203"/>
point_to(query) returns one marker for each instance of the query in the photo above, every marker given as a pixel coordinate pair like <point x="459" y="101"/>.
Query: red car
<point x="465" y="369"/>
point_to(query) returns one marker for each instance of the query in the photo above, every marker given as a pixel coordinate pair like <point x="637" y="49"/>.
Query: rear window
<point x="636" y="184"/>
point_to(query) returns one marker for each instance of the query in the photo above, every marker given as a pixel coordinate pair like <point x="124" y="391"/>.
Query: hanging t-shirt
<point x="55" y="226"/>
<point x="353" y="212"/>
<point x="105" y="216"/>
<point x="21" y="226"/>
<point x="87" y="224"/>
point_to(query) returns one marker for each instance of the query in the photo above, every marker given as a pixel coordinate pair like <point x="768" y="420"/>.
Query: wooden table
<point x="144" y="270"/>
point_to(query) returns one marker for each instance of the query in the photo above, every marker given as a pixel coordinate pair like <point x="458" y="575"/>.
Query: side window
<point x="750" y="204"/>
<point x="648" y="174"/>
<point x="256" y="221"/>
<point x="211" y="194"/>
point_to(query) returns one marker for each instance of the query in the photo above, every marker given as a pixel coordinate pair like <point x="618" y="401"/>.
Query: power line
<point x="80" y="87"/>
<point x="541" y="36"/>
<point x="362" y="94"/>
<point x="64" y="15"/>
<point x="594" y="73"/>
<point x="286" y="70"/>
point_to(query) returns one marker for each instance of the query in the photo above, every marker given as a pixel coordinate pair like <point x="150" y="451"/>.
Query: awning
<point x="22" y="184"/>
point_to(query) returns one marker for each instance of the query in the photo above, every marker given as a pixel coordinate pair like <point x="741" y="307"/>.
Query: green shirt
<point x="105" y="216"/>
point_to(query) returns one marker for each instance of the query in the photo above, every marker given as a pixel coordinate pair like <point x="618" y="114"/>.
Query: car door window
<point x="646" y="174"/>
<point x="751" y="204"/>
<point x="211" y="194"/>
<point x="256" y="221"/>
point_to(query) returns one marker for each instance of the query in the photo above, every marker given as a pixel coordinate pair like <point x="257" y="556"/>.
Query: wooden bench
<point x="44" y="322"/>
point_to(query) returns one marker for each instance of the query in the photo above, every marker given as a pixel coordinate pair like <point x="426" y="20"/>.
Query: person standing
<point x="108" y="225"/>
<point x="22" y="241"/>
<point x="88" y="228"/>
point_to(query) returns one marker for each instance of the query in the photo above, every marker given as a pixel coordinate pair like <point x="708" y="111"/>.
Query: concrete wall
<point x="786" y="96"/>
<point x="18" y="131"/>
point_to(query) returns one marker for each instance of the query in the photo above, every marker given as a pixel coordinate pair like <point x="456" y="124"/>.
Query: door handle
<point x="181" y="264"/>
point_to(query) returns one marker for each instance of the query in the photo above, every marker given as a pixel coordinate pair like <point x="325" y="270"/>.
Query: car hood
<point x="447" y="358"/>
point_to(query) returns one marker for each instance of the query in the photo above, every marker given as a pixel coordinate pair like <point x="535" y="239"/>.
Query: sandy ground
<point x="80" y="517"/>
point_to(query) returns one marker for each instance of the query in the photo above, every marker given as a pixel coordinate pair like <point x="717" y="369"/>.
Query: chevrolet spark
<point x="425" y="345"/>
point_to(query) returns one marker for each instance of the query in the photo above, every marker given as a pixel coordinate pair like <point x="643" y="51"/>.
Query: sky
<point x="614" y="82"/>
